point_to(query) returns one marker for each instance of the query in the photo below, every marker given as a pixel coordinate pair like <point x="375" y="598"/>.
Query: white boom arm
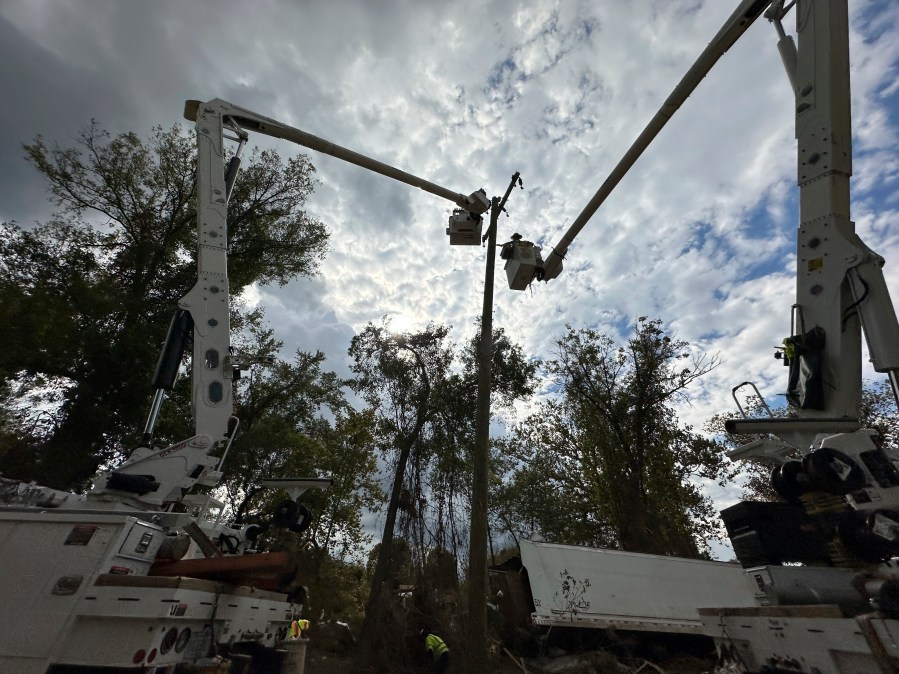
<point x="743" y="17"/>
<point x="839" y="279"/>
<point x="247" y="120"/>
<point x="155" y="477"/>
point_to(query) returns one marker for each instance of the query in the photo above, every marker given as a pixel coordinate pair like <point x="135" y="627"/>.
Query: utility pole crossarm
<point x="252" y="121"/>
<point x="743" y="17"/>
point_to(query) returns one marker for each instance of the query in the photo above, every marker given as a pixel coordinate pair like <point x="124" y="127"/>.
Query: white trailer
<point x="786" y="619"/>
<point x="593" y="587"/>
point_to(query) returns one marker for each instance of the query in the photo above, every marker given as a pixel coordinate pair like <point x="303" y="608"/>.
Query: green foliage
<point x="878" y="411"/>
<point x="295" y="422"/>
<point x="427" y="406"/>
<point x="87" y="297"/>
<point x="536" y="491"/>
<point x="338" y="589"/>
<point x="351" y="463"/>
<point x="755" y="475"/>
<point x="512" y="374"/>
<point x="396" y="375"/>
<point x="400" y="567"/>
<point x="609" y="463"/>
<point x="425" y="412"/>
<point x="449" y="473"/>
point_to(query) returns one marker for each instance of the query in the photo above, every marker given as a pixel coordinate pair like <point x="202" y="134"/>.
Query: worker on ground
<point x="438" y="653"/>
<point x="298" y="628"/>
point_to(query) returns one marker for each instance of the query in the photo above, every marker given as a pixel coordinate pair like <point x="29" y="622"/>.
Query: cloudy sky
<point x="700" y="233"/>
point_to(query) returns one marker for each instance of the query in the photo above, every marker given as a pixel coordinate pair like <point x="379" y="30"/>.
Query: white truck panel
<point x="806" y="639"/>
<point x="48" y="562"/>
<point x="121" y="615"/>
<point x="628" y="590"/>
<point x="82" y="597"/>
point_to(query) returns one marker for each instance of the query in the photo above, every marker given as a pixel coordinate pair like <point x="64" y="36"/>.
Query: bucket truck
<point x="140" y="572"/>
<point x="839" y="483"/>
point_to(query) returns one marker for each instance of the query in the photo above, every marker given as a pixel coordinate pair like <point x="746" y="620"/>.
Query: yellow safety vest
<point x="297" y="628"/>
<point x="435" y="646"/>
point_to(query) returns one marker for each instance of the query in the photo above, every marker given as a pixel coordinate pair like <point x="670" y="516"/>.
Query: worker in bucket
<point x="436" y="648"/>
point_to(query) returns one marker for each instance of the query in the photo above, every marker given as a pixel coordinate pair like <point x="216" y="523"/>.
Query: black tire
<point x="789" y="481"/>
<point x="303" y="519"/>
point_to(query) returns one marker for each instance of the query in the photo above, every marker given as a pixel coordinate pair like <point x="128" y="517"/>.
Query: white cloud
<point x="700" y="233"/>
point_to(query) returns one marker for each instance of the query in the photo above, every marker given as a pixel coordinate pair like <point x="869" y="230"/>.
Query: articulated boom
<point x="153" y="476"/>
<point x="837" y="612"/>
<point x="157" y="476"/>
<point x="840" y="288"/>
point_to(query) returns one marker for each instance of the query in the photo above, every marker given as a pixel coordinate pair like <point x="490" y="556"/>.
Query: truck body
<point x="627" y="590"/>
<point x="77" y="592"/>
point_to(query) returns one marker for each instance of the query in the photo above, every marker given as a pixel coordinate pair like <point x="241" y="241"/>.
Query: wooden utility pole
<point x="477" y="554"/>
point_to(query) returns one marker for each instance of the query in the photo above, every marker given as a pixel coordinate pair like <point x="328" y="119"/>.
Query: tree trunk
<point x="378" y="598"/>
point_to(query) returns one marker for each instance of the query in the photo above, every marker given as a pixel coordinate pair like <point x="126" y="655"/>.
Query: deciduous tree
<point x="396" y="375"/>
<point x="612" y="449"/>
<point x="426" y="418"/>
<point x="86" y="298"/>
